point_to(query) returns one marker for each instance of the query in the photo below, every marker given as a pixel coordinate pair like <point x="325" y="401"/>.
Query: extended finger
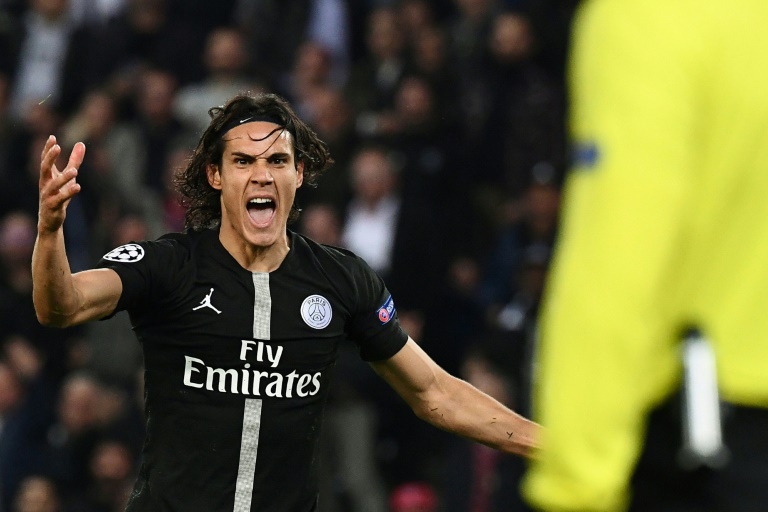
<point x="76" y="157"/>
<point x="48" y="145"/>
<point x="47" y="163"/>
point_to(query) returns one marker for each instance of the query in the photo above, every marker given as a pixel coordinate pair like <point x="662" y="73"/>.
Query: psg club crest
<point x="128" y="253"/>
<point x="316" y="311"/>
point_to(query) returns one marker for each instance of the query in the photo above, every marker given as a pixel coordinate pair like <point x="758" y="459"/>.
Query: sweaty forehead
<point x="259" y="137"/>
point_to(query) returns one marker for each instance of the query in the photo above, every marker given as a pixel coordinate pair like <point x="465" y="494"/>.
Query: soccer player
<point x="663" y="228"/>
<point x="240" y="320"/>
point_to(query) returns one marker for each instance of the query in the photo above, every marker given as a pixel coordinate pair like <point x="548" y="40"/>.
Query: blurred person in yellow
<point x="664" y="227"/>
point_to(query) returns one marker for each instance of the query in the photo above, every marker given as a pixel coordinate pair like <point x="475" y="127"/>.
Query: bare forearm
<point x="456" y="406"/>
<point x="54" y="294"/>
<point x="464" y="410"/>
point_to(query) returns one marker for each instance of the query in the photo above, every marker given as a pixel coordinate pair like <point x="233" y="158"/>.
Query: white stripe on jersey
<point x="262" y="306"/>
<point x="249" y="446"/>
<point x="249" y="442"/>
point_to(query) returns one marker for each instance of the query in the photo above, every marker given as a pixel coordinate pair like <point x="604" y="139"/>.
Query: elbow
<point x="421" y="412"/>
<point x="437" y="416"/>
<point x="434" y="403"/>
<point x="50" y="319"/>
<point x="431" y="409"/>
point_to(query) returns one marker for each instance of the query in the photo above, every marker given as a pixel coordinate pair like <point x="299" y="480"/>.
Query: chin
<point x="262" y="237"/>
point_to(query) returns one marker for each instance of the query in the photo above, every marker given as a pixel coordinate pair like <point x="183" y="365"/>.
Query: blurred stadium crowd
<point x="446" y="121"/>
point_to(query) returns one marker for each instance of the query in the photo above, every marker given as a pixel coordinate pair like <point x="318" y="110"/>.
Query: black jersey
<point x="237" y="366"/>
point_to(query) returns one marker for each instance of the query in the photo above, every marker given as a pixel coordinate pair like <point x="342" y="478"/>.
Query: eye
<point x="278" y="160"/>
<point x="241" y="162"/>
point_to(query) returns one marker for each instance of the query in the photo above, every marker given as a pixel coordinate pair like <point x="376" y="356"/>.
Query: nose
<point x="260" y="172"/>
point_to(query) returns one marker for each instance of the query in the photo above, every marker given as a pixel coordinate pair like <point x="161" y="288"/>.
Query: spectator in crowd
<point x="115" y="169"/>
<point x="424" y="143"/>
<point x="44" y="40"/>
<point x="475" y="478"/>
<point x="328" y="27"/>
<point x="275" y="30"/>
<point x="431" y="60"/>
<point x="13" y="455"/>
<point x="321" y="222"/>
<point x="310" y="74"/>
<point x="225" y="62"/>
<point x="514" y="275"/>
<point x="173" y="210"/>
<point x="147" y="34"/>
<point x="26" y="345"/>
<point x="373" y="83"/>
<point x="55" y="435"/>
<point x="11" y="394"/>
<point x="377" y="226"/>
<point x="370" y="226"/>
<point x="38" y="494"/>
<point x="159" y="128"/>
<point x="416" y="17"/>
<point x="527" y="227"/>
<point x="333" y="120"/>
<point x="512" y="119"/>
<point x="468" y="29"/>
<point x="449" y="336"/>
<point x="73" y="434"/>
<point x="110" y="474"/>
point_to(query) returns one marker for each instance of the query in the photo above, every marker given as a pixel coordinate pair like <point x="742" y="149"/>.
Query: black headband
<point x="237" y="121"/>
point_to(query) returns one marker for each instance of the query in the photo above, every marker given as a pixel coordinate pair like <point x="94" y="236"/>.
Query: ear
<point x="299" y="173"/>
<point x="214" y="176"/>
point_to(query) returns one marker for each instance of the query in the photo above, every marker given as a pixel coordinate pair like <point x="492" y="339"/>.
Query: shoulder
<point x="191" y="241"/>
<point x="339" y="266"/>
<point x="327" y="254"/>
<point x="171" y="246"/>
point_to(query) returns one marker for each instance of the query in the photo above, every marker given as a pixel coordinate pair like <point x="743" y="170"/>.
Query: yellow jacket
<point x="665" y="225"/>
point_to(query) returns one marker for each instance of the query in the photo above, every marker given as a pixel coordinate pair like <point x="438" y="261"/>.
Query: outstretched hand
<point x="57" y="188"/>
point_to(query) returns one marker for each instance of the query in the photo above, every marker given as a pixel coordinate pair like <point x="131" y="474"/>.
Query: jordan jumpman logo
<point x="206" y="303"/>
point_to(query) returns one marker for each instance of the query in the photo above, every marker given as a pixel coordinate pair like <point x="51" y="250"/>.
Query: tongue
<point x="261" y="216"/>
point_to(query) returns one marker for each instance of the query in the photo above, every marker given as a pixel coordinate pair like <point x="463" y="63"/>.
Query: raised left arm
<point x="454" y="405"/>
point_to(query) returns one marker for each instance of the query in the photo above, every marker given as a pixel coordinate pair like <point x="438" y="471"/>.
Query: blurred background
<point x="446" y="121"/>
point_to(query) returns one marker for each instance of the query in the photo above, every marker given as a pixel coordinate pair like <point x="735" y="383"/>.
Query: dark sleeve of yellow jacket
<point x="605" y="354"/>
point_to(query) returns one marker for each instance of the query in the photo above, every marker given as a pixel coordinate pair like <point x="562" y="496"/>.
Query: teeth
<point x="260" y="200"/>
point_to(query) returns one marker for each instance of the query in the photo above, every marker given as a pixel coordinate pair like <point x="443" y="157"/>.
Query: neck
<point x="256" y="258"/>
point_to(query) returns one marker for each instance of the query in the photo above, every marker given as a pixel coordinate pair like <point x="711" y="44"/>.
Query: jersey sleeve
<point x="606" y="352"/>
<point x="147" y="269"/>
<point x="374" y="327"/>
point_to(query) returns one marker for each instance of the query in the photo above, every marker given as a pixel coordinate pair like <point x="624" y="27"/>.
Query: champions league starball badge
<point x="316" y="311"/>
<point x="128" y="253"/>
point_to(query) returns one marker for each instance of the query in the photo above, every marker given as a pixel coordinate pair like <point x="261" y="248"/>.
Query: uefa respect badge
<point x="386" y="311"/>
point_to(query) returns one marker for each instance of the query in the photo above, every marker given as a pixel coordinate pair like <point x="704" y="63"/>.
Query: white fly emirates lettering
<point x="252" y="382"/>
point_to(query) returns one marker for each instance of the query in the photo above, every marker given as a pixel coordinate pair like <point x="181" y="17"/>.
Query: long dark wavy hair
<point x="203" y="201"/>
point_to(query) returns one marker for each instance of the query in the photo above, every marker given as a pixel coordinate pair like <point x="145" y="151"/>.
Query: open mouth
<point x="261" y="210"/>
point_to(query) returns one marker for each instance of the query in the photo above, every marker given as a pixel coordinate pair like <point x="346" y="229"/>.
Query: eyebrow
<point x="246" y="156"/>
